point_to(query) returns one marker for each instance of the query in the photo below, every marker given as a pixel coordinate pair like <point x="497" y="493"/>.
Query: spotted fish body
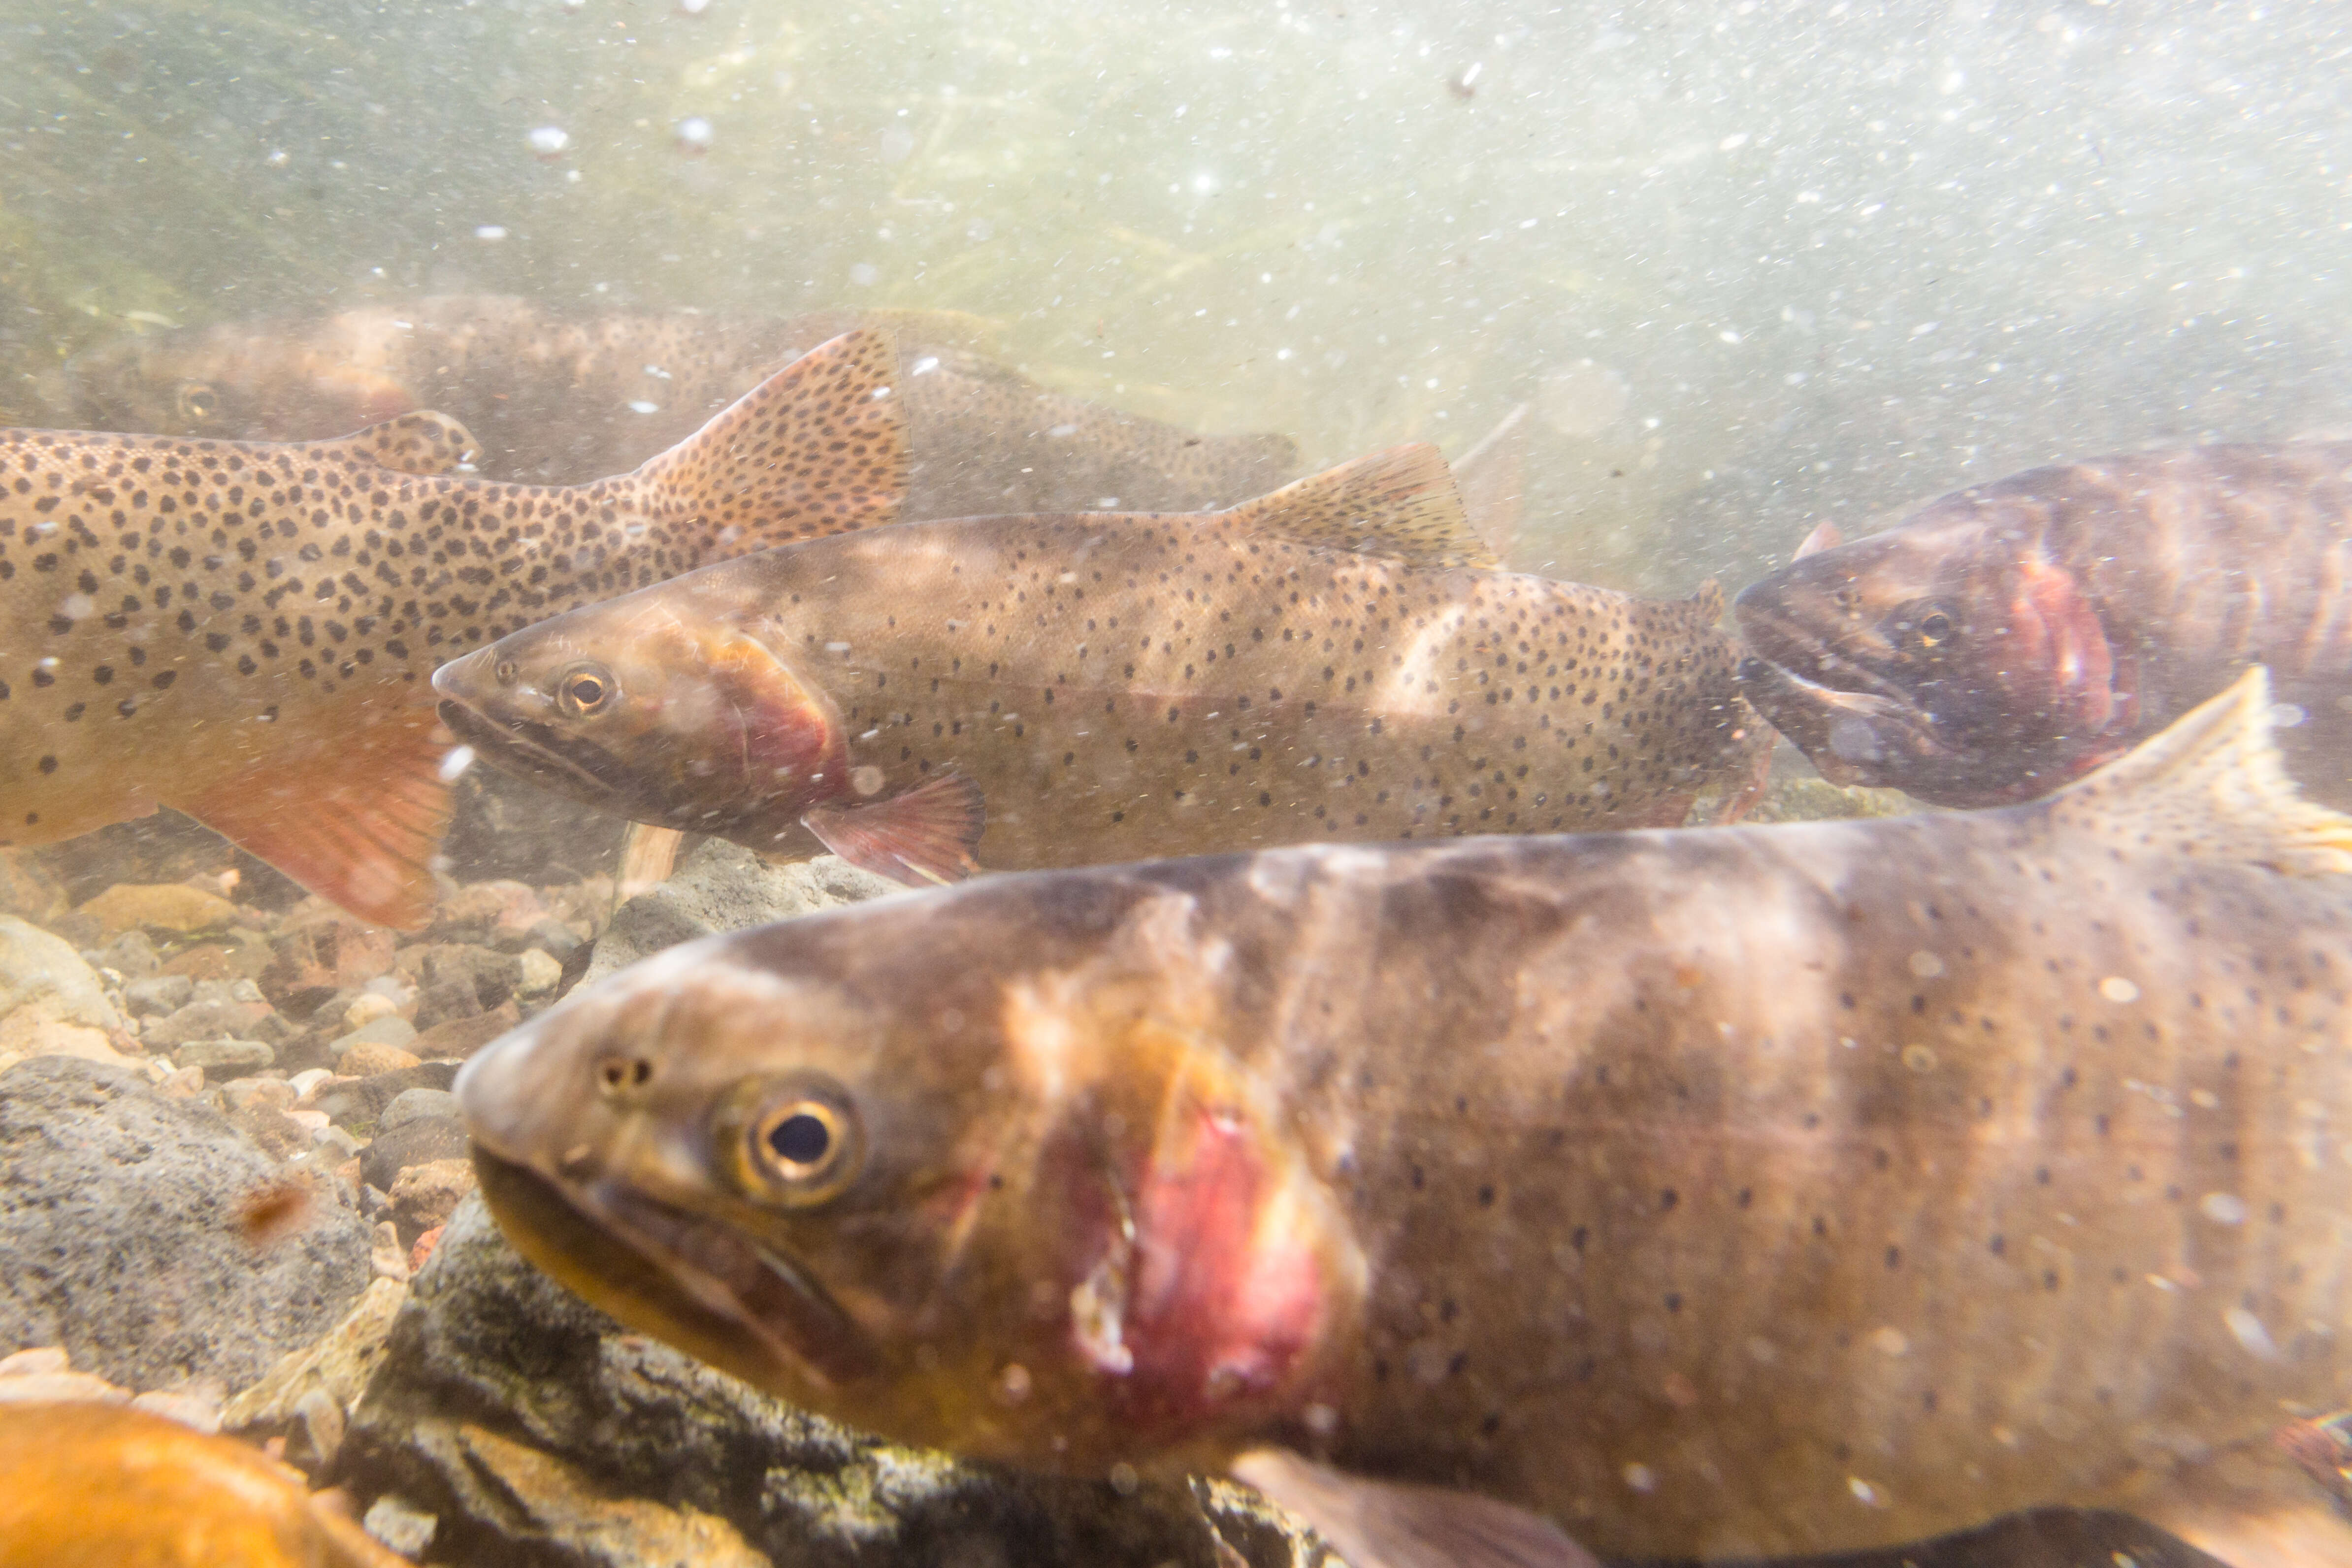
<point x="1715" y="1194"/>
<point x="2011" y="637"/>
<point x="1120" y="687"/>
<point x="556" y="399"/>
<point x="243" y="631"/>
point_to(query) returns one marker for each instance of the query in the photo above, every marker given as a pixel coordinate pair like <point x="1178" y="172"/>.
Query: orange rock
<point x="423" y="1248"/>
<point x="98" y="1486"/>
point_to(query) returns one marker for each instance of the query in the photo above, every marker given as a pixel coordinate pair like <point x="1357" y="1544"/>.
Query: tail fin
<point x="818" y="447"/>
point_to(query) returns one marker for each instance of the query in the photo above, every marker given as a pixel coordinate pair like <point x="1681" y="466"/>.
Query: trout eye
<point x="1926" y="626"/>
<point x="585" y="690"/>
<point x="197" y="402"/>
<point x="797" y="1142"/>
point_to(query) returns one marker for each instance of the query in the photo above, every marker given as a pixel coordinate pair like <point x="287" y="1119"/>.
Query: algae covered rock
<point x="538" y="1432"/>
<point x="120" y="1219"/>
<point x="724" y="886"/>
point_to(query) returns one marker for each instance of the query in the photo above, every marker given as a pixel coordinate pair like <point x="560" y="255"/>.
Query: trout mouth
<point x="573" y="765"/>
<point x="698" y="1283"/>
<point x="1852" y="737"/>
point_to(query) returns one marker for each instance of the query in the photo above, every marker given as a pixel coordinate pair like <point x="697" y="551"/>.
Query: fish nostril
<point x="505" y="672"/>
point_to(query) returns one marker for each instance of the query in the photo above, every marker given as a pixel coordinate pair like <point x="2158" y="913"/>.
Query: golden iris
<point x="585" y="689"/>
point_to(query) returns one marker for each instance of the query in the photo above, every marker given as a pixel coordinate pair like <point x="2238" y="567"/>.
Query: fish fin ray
<point x="357" y="822"/>
<point x="423" y="442"/>
<point x="1401" y="502"/>
<point x="1826" y="535"/>
<point x="2248" y="1506"/>
<point x="818" y="447"/>
<point x="1492" y="477"/>
<point x="1389" y="1524"/>
<point x="2211" y="784"/>
<point x="922" y="838"/>
<point x="1707" y="603"/>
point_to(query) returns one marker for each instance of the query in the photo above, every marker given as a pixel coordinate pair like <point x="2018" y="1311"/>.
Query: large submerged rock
<point x="724" y="886"/>
<point x="538" y="1432"/>
<point x="119" y="1225"/>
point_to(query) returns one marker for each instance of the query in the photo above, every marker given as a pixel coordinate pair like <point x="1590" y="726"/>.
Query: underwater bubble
<point x="548" y="143"/>
<point x="277" y="158"/>
<point x="2223" y="1209"/>
<point x="454" y="763"/>
<point x="490" y="231"/>
<point x="1584" y="398"/>
<point x="928" y="363"/>
<point x="639" y="406"/>
<point x="692" y="7"/>
<point x="2252" y="1336"/>
<point x="2287" y="715"/>
<point x="694" y="135"/>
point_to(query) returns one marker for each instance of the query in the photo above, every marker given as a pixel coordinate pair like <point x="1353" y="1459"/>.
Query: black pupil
<point x="1936" y="628"/>
<point x="585" y="690"/>
<point x="801" y="1139"/>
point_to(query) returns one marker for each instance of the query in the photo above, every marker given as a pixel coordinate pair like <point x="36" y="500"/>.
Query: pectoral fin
<point x="419" y="443"/>
<point x="356" y="820"/>
<point x="921" y="839"/>
<point x="1389" y="1524"/>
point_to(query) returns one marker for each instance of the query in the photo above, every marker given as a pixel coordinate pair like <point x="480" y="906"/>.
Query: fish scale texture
<point x="118" y="1220"/>
<point x="520" y="1416"/>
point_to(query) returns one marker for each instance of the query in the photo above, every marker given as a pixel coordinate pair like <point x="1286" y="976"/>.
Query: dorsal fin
<point x="1707" y="603"/>
<point x="419" y="443"/>
<point x="2210" y="785"/>
<point x="818" y="447"/>
<point x="1400" y="503"/>
<point x="1492" y="477"/>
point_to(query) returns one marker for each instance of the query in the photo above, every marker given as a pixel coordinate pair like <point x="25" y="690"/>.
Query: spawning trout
<point x="557" y="399"/>
<point x="2013" y="636"/>
<point x="1056" y="690"/>
<point x="245" y="631"/>
<point x="1700" y="1195"/>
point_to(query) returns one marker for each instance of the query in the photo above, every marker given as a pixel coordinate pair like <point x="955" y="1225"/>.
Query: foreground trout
<point x="245" y="631"/>
<point x="556" y="399"/>
<point x="1710" y="1194"/>
<point x="2012" y="636"/>
<point x="1311" y="665"/>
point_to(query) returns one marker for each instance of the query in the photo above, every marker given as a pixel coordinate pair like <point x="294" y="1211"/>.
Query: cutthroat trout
<point x="557" y="399"/>
<point x="245" y="631"/>
<point x="1092" y="687"/>
<point x="1702" y="1194"/>
<point x="2012" y="636"/>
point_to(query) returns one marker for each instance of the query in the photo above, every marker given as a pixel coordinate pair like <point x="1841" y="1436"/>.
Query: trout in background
<point x="1706" y="1196"/>
<point x="245" y="631"/>
<point x="1324" y="662"/>
<point x="557" y="399"/>
<point x="2012" y="636"/>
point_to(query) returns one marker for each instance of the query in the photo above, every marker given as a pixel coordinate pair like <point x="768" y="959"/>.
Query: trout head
<point x="231" y="384"/>
<point x="655" y="708"/>
<point x="1951" y="657"/>
<point x="1037" y="1217"/>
